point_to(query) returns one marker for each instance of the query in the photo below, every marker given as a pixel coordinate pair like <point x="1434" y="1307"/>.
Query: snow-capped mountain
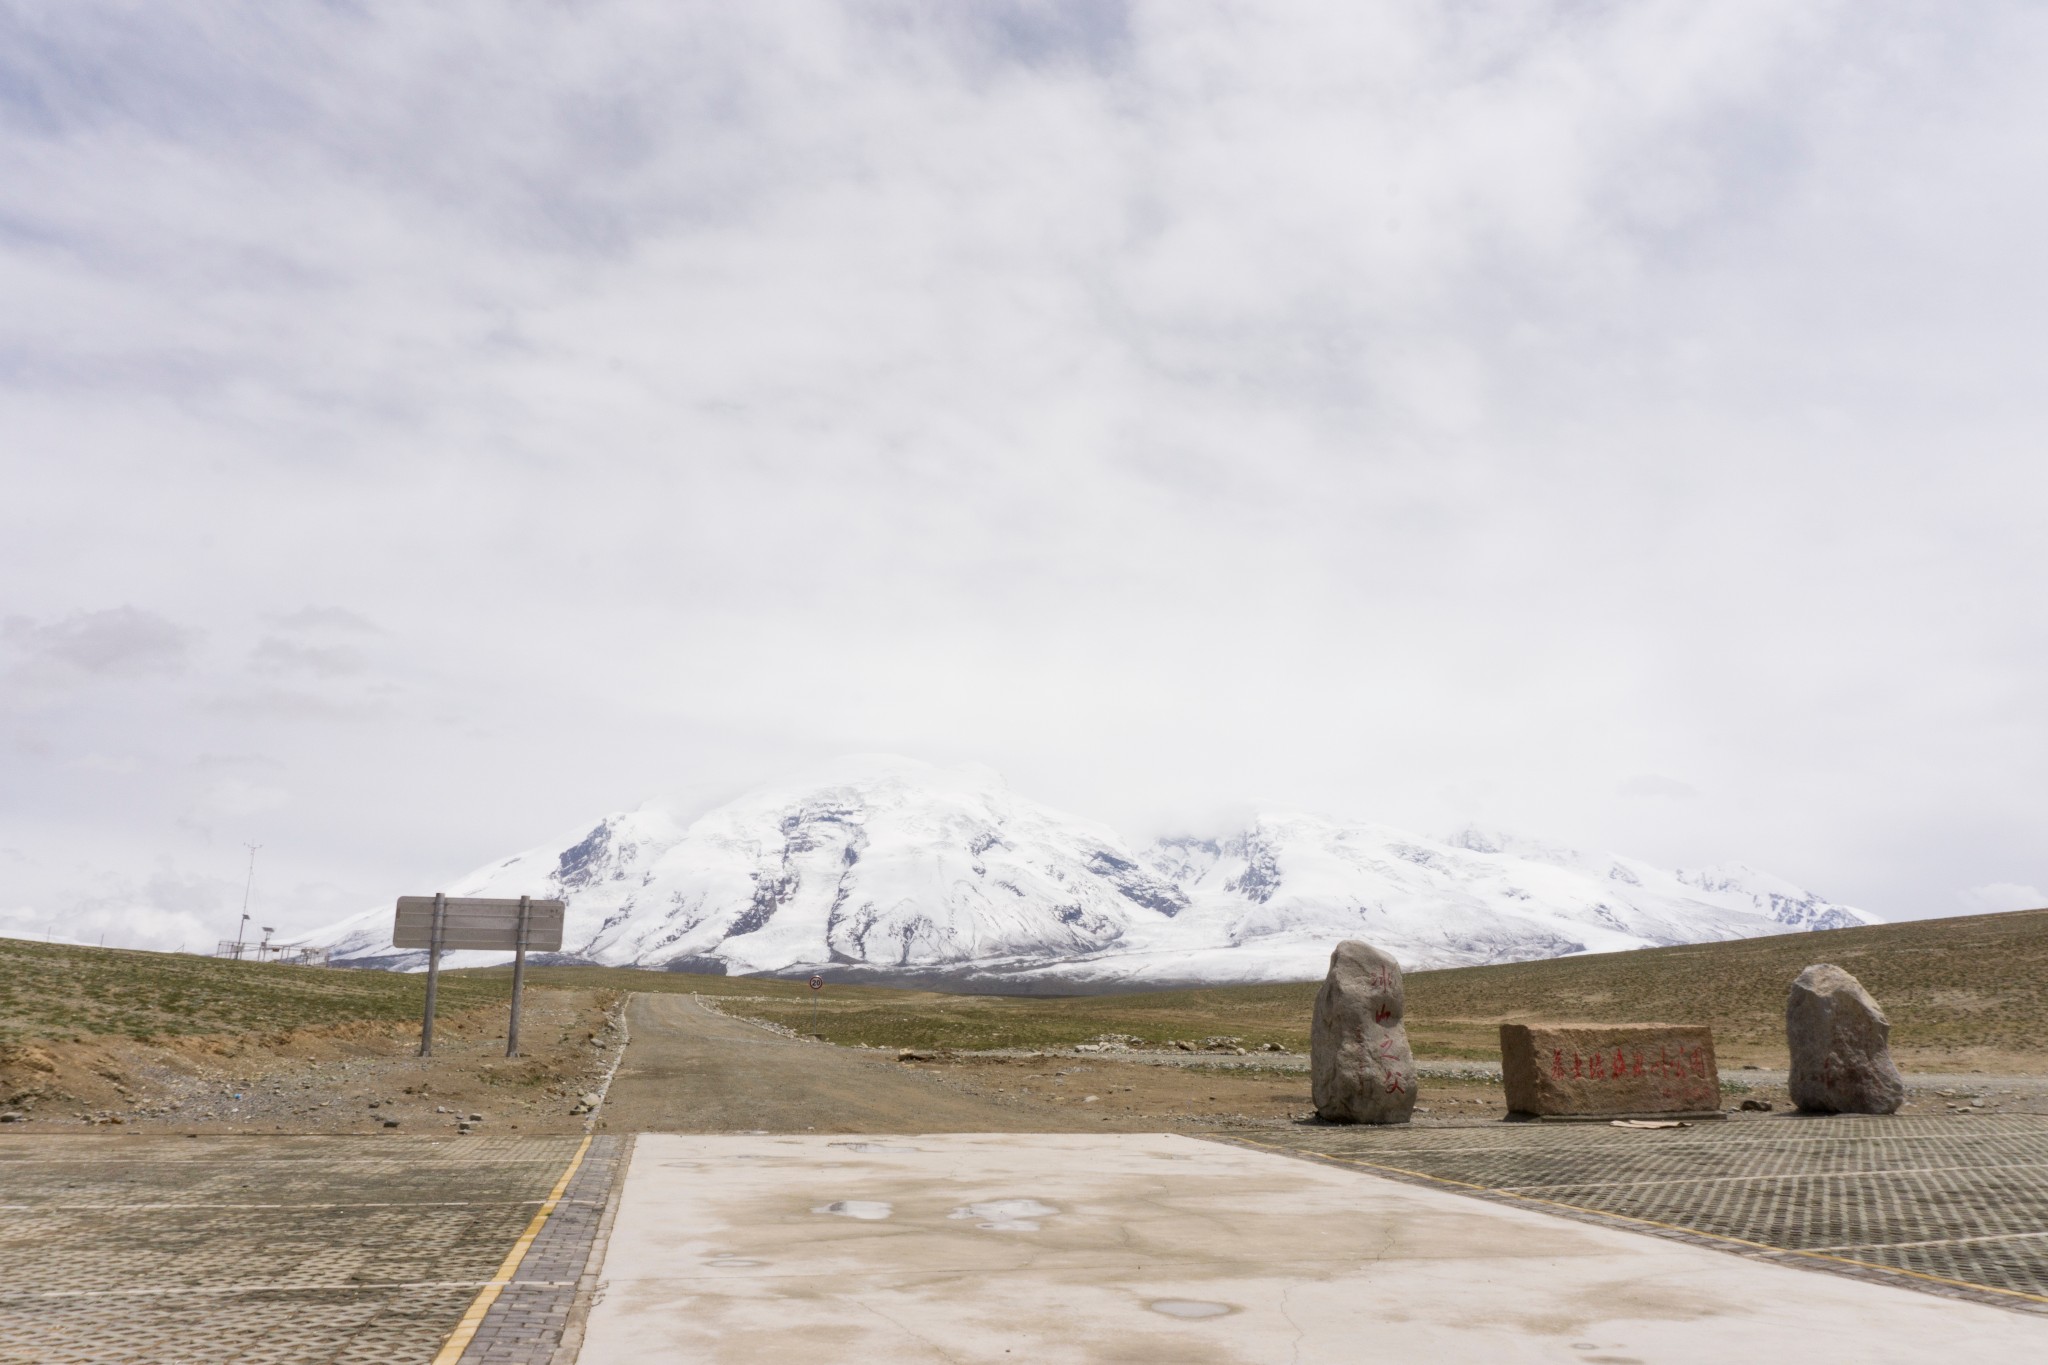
<point x="888" y="868"/>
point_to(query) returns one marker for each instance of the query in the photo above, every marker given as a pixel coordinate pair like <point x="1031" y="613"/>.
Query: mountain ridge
<point x="879" y="867"/>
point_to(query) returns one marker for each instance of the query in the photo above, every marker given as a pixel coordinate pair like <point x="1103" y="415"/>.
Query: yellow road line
<point x="391" y="1204"/>
<point x="458" y="1340"/>
<point x="281" y="1287"/>
<point x="1645" y="1222"/>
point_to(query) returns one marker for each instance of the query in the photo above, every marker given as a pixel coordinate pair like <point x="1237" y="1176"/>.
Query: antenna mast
<point x="247" y="887"/>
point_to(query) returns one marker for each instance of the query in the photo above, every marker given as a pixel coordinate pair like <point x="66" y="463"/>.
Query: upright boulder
<point x="1841" y="1046"/>
<point x="1359" y="1062"/>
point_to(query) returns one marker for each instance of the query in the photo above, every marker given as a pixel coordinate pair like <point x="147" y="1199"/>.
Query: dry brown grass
<point x="1965" y="992"/>
<point x="60" y="992"/>
<point x="1968" y="991"/>
<point x="1960" y="992"/>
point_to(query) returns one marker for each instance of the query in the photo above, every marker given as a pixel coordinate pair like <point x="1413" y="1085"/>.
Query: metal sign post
<point x="440" y="922"/>
<point x="434" y="935"/>
<point x="518" y="975"/>
<point x="817" y="984"/>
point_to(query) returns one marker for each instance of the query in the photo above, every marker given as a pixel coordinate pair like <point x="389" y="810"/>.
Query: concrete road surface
<point x="1157" y="1248"/>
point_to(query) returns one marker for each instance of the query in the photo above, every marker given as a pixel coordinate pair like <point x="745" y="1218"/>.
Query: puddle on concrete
<point x="1190" y="1308"/>
<point x="867" y="1210"/>
<point x="1006" y="1215"/>
<point x="872" y="1147"/>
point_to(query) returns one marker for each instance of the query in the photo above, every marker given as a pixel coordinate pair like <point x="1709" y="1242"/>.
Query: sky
<point x="426" y="429"/>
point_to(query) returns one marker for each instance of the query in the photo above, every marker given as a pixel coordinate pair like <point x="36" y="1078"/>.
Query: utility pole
<point x="242" y="932"/>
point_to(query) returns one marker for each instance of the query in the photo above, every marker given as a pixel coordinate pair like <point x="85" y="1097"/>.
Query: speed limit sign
<point x="817" y="982"/>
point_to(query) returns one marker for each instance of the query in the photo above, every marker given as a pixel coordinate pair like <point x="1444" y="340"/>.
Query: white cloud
<point x="325" y="620"/>
<point x="1657" y="787"/>
<point x="136" y="923"/>
<point x="1994" y="897"/>
<point x="119" y="642"/>
<point x="1413" y="411"/>
<point x="274" y="654"/>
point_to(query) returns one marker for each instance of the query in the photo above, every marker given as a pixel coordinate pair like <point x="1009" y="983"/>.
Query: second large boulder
<point x="1360" y="1065"/>
<point x="1841" y="1046"/>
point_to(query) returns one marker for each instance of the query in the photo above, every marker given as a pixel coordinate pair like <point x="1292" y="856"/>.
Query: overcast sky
<point x="427" y="428"/>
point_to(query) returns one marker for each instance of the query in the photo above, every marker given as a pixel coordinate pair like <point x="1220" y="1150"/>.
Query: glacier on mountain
<point x="892" y="870"/>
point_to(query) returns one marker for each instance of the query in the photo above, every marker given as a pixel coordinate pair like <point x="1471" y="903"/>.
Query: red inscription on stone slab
<point x="1631" y="1069"/>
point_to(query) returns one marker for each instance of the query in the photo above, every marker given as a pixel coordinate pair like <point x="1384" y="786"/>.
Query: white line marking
<point x="1799" y="1175"/>
<point x="1937" y="1242"/>
<point x="605" y="1087"/>
<point x="399" y="1204"/>
<point x="280" y="1288"/>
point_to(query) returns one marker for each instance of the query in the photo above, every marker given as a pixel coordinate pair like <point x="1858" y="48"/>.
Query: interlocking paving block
<point x="173" y="1250"/>
<point x="1952" y="1204"/>
<point x="525" y="1324"/>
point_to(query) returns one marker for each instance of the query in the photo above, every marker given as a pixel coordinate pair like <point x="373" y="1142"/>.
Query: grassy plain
<point x="1964" y="992"/>
<point x="60" y="993"/>
<point x="1957" y="989"/>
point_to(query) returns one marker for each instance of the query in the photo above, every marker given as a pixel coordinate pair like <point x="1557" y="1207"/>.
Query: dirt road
<point x="689" y="1069"/>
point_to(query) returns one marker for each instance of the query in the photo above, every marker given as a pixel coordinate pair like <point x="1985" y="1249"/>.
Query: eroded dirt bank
<point x="342" y="1078"/>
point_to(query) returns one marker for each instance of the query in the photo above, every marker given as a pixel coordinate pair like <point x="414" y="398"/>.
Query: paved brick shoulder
<point x="526" y="1324"/>
<point x="271" y="1250"/>
<point x="1948" y="1204"/>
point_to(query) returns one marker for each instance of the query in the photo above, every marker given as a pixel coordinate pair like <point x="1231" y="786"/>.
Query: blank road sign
<point x="473" y="922"/>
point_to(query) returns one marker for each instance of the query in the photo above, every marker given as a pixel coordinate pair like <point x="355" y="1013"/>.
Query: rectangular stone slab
<point x="1630" y="1069"/>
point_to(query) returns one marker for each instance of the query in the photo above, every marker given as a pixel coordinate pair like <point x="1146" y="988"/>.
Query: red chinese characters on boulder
<point x="1360" y="1066"/>
<point x="1639" y="1070"/>
<point x="1394" y="1063"/>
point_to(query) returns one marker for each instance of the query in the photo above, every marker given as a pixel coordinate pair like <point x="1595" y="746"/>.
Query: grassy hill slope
<point x="1970" y="991"/>
<point x="58" y="992"/>
<point x="1957" y="990"/>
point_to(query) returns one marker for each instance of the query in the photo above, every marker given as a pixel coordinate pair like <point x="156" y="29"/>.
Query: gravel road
<point x="689" y="1069"/>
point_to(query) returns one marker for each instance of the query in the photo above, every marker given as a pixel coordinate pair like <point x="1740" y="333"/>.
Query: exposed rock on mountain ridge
<point x="892" y="868"/>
